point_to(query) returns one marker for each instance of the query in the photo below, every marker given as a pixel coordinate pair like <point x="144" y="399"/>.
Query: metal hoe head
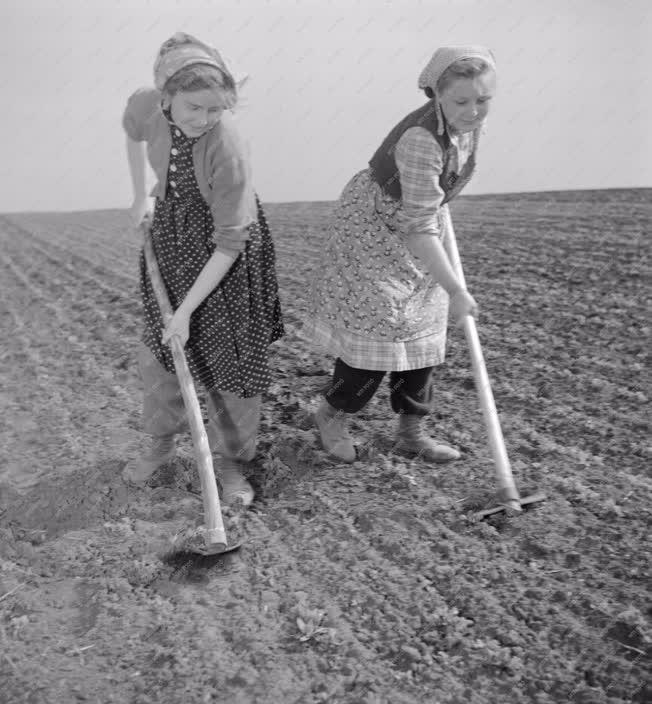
<point x="201" y="541"/>
<point x="511" y="508"/>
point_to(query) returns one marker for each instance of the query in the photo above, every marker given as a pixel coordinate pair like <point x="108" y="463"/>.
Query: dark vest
<point x="383" y="162"/>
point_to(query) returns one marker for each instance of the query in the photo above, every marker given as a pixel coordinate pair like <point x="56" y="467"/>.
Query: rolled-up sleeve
<point x="140" y="106"/>
<point x="233" y="201"/>
<point x="419" y="161"/>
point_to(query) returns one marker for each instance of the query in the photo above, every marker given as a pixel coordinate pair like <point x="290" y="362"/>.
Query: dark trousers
<point x="351" y="389"/>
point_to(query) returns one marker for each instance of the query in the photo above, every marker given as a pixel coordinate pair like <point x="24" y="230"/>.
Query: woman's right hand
<point x="462" y="304"/>
<point x="140" y="210"/>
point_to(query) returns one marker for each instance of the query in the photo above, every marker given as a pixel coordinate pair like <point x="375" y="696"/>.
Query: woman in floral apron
<point x="383" y="294"/>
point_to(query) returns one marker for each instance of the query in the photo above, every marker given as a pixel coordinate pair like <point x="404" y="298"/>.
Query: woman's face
<point x="196" y="111"/>
<point x="466" y="101"/>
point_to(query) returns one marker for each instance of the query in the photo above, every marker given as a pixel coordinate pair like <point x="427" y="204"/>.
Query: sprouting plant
<point x="311" y="624"/>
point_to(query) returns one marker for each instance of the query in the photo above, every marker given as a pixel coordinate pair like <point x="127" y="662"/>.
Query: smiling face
<point x="196" y="111"/>
<point x="465" y="101"/>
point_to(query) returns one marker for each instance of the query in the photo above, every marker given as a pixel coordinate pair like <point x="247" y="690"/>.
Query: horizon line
<point x="298" y="202"/>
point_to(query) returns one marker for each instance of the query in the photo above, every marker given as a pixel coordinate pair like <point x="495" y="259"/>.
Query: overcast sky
<point x="328" y="81"/>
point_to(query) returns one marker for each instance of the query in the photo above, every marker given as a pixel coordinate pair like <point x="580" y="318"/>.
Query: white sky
<point x="328" y="81"/>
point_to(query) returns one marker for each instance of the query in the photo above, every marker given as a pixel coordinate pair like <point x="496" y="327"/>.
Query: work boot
<point x="162" y="451"/>
<point x="334" y="435"/>
<point x="234" y="485"/>
<point x="412" y="438"/>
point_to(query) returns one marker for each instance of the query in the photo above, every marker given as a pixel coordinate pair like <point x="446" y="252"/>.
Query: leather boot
<point x="334" y="435"/>
<point x="411" y="437"/>
<point x="235" y="486"/>
<point x="162" y="451"/>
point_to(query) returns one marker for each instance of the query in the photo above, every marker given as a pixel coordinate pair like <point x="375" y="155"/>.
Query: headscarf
<point x="183" y="50"/>
<point x="441" y="60"/>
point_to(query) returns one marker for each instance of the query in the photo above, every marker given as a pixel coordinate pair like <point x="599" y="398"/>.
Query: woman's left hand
<point x="179" y="325"/>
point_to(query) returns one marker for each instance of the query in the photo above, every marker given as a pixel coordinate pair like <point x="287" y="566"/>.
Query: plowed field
<point x="365" y="583"/>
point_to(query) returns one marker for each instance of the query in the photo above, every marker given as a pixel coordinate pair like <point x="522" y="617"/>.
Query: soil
<point x="367" y="583"/>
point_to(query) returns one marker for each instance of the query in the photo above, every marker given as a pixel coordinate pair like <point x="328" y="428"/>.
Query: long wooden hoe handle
<point x="214" y="526"/>
<point x="508" y="491"/>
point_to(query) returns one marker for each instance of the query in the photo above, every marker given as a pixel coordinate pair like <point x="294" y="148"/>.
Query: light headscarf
<point x="183" y="50"/>
<point x="441" y="60"/>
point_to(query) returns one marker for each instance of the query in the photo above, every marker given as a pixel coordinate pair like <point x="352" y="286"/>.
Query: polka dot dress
<point x="231" y="329"/>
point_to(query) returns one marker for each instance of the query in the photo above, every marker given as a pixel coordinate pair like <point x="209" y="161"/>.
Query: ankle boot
<point x="162" y="450"/>
<point x="334" y="435"/>
<point x="235" y="487"/>
<point x="411" y="437"/>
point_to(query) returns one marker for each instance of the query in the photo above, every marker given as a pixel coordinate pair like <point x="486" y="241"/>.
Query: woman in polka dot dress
<point x="215" y="254"/>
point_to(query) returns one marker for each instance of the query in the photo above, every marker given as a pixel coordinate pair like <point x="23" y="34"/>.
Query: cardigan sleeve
<point x="233" y="200"/>
<point x="140" y="107"/>
<point x="420" y="162"/>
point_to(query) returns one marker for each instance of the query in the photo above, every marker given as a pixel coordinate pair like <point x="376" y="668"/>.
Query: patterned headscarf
<point x="183" y="50"/>
<point x="441" y="60"/>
